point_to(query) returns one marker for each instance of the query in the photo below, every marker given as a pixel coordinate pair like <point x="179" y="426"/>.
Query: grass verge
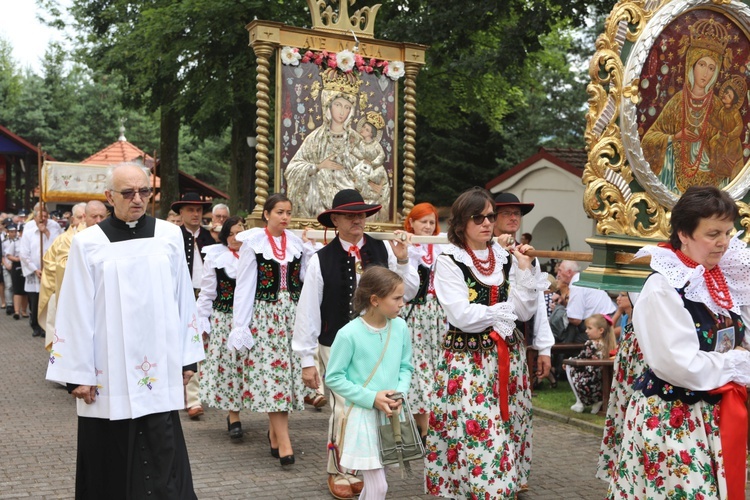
<point x="559" y="400"/>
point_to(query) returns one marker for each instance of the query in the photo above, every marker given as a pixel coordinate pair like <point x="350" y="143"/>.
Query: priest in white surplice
<point x="125" y="341"/>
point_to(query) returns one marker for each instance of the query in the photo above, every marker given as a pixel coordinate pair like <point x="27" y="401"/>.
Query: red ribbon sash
<point x="503" y="373"/>
<point x="733" y="430"/>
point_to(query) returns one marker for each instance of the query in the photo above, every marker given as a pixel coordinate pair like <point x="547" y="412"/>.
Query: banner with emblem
<point x="73" y="182"/>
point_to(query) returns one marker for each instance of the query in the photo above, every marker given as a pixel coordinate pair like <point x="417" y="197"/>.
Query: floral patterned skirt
<point x="629" y="365"/>
<point x="471" y="452"/>
<point x="221" y="371"/>
<point x="669" y="450"/>
<point x="272" y="374"/>
<point x="427" y="324"/>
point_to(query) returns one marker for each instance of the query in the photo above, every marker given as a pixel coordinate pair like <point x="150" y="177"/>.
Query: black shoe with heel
<point x="275" y="451"/>
<point x="288" y="460"/>
<point x="235" y="429"/>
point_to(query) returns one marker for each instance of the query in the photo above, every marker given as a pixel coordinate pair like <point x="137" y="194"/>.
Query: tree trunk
<point x="169" y="162"/>
<point x="242" y="174"/>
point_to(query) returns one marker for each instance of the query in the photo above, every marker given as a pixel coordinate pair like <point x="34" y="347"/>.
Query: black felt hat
<point x="347" y="201"/>
<point x="190" y="199"/>
<point x="511" y="200"/>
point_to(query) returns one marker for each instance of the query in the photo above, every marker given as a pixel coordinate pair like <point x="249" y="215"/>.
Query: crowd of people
<point x="266" y="320"/>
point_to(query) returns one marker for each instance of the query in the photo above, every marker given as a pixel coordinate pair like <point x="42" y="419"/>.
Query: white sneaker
<point x="578" y="407"/>
<point x="596" y="407"/>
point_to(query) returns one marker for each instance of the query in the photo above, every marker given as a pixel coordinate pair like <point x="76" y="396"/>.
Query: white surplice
<point x="126" y="323"/>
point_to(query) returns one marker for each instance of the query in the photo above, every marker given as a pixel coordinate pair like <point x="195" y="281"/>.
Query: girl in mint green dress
<point x="370" y="359"/>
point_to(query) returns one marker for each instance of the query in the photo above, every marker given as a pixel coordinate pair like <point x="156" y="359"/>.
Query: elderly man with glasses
<point x="126" y="341"/>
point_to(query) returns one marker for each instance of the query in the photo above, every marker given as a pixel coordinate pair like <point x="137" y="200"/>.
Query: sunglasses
<point x="478" y="219"/>
<point x="128" y="194"/>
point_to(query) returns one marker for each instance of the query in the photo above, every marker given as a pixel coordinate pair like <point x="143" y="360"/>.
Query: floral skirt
<point x="221" y="371"/>
<point x="471" y="452"/>
<point x="669" y="450"/>
<point x="629" y="365"/>
<point x="427" y="325"/>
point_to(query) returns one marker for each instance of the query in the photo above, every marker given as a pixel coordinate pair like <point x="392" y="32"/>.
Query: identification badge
<point x="725" y="339"/>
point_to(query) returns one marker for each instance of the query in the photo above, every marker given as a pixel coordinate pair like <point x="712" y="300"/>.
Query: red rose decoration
<point x="479" y="399"/>
<point x="676" y="417"/>
<point x="652" y="422"/>
<point x="432" y="457"/>
<point x="685" y="457"/>
<point x="472" y="428"/>
<point x="476" y="471"/>
<point x="452" y="456"/>
<point x="452" y="387"/>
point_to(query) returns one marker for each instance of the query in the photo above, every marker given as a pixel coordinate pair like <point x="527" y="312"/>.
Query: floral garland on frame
<point x="345" y="61"/>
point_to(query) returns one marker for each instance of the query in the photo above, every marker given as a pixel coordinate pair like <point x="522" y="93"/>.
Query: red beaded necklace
<point x="279" y="253"/>
<point x="715" y="282"/>
<point x="428" y="258"/>
<point x="485" y="267"/>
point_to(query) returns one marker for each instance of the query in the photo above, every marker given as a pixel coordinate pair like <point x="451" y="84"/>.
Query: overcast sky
<point x="29" y="37"/>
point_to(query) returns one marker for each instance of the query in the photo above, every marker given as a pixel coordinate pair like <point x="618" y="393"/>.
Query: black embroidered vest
<point x="424" y="284"/>
<point x="340" y="281"/>
<point x="269" y="279"/>
<point x="479" y="293"/>
<point x="706" y="328"/>
<point x="224" y="292"/>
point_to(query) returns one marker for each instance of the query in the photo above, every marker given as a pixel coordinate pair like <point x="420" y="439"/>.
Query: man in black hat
<point x="191" y="209"/>
<point x="536" y="331"/>
<point x="325" y="304"/>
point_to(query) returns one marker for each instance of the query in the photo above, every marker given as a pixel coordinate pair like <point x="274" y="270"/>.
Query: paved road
<point x="38" y="429"/>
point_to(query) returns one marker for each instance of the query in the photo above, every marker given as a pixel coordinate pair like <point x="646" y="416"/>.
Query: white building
<point x="551" y="180"/>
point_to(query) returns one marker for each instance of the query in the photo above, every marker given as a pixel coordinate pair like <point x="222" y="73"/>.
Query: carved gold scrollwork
<point x="607" y="175"/>
<point x="744" y="220"/>
<point x="263" y="51"/>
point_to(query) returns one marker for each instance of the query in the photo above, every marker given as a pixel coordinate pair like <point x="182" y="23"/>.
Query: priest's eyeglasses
<point x="128" y="194"/>
<point x="479" y="218"/>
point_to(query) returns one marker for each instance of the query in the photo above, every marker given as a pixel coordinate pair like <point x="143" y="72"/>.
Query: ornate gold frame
<point x="619" y="196"/>
<point x="332" y="31"/>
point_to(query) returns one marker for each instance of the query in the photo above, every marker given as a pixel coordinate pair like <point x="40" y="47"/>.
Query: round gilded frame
<point x="737" y="13"/>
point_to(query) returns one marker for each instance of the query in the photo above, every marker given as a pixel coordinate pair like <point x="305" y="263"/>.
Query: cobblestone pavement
<point x="38" y="432"/>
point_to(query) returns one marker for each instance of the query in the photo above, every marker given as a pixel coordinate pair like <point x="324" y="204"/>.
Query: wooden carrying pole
<point x="620" y="258"/>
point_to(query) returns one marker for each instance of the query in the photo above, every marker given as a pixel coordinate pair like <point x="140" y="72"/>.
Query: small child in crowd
<point x="370" y="360"/>
<point x="586" y="381"/>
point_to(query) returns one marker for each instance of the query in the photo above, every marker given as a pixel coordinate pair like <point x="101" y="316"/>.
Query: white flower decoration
<point x="395" y="70"/>
<point x="345" y="60"/>
<point x="290" y="56"/>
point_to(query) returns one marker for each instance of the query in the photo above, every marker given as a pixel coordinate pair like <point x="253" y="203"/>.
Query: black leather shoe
<point x="9" y="310"/>
<point x="274" y="451"/>
<point x="288" y="460"/>
<point x="235" y="429"/>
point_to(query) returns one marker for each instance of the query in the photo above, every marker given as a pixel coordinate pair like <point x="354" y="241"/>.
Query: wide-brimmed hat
<point x="347" y="201"/>
<point x="511" y="200"/>
<point x="190" y="199"/>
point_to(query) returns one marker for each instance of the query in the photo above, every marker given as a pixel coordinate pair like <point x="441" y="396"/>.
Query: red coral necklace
<point x="715" y="282"/>
<point x="485" y="267"/>
<point x="428" y="257"/>
<point x="279" y="253"/>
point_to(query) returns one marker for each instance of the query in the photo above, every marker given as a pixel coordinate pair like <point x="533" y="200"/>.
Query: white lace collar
<point x="219" y="256"/>
<point x="462" y="256"/>
<point x="735" y="264"/>
<point x="258" y="241"/>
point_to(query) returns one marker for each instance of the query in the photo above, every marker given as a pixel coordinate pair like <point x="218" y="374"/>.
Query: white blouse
<point x="255" y="241"/>
<point x="453" y="295"/>
<point x="216" y="257"/>
<point x="666" y="331"/>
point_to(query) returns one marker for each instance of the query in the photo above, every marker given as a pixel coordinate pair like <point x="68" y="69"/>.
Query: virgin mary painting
<point x="678" y="145"/>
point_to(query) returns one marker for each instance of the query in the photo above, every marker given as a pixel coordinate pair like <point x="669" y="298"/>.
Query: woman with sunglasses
<point x="470" y="450"/>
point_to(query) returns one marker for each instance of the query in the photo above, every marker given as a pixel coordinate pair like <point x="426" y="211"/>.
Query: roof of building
<point x="569" y="159"/>
<point x="122" y="151"/>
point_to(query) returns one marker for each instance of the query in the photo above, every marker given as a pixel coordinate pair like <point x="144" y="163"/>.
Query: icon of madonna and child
<point x="345" y="152"/>
<point x="699" y="137"/>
